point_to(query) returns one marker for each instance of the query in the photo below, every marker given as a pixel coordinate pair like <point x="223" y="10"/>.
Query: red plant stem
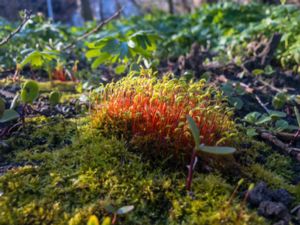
<point x="114" y="220"/>
<point x="191" y="170"/>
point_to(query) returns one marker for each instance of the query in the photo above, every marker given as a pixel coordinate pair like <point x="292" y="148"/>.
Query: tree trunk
<point x="101" y="12"/>
<point x="186" y="5"/>
<point x="86" y="10"/>
<point x="171" y="6"/>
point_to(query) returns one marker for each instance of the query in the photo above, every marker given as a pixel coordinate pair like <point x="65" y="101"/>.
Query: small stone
<point x="259" y="194"/>
<point x="281" y="222"/>
<point x="274" y="210"/>
<point x="283" y="196"/>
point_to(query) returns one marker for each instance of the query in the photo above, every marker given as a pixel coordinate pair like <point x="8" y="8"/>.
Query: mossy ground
<point x="76" y="172"/>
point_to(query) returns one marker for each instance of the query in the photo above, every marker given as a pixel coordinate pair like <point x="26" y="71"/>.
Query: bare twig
<point x="18" y="29"/>
<point x="95" y="30"/>
<point x="294" y="152"/>
<point x="262" y="104"/>
<point x="273" y="88"/>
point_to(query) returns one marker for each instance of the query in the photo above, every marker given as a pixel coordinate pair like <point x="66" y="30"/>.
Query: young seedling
<point x="121" y="211"/>
<point x="29" y="93"/>
<point x="201" y="148"/>
<point x="7" y="115"/>
<point x="54" y="98"/>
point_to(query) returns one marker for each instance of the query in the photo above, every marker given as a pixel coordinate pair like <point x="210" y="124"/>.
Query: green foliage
<point x="279" y="100"/>
<point x="122" y="48"/>
<point x="30" y="91"/>
<point x="38" y="59"/>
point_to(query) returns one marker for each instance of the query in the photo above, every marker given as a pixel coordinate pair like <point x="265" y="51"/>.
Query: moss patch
<point x="71" y="183"/>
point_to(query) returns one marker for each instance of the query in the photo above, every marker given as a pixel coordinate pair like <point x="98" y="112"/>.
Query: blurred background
<point x="75" y="12"/>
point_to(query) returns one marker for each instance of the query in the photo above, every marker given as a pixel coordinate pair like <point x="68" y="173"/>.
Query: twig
<point x="294" y="152"/>
<point x="18" y="29"/>
<point x="96" y="29"/>
<point x="262" y="104"/>
<point x="271" y="86"/>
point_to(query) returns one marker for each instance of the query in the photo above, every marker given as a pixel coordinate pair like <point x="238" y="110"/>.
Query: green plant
<point x="29" y="92"/>
<point x="129" y="47"/>
<point x="54" y="97"/>
<point x="199" y="147"/>
<point x="118" y="211"/>
<point x="7" y="115"/>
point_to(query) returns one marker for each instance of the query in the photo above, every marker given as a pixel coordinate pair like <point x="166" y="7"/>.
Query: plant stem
<point x="191" y="170"/>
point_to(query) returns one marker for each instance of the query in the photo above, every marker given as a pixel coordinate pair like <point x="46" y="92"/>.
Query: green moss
<point x="71" y="183"/>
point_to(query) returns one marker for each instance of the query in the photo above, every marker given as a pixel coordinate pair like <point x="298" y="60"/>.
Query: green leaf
<point x="111" y="47"/>
<point x="281" y="125"/>
<point x="30" y="91"/>
<point x="120" y="69"/>
<point x="9" y="115"/>
<point x="279" y="100"/>
<point x="92" y="53"/>
<point x="124" y="50"/>
<point x="236" y="102"/>
<point x="194" y="129"/>
<point x="252" y="117"/>
<point x="257" y="72"/>
<point x="125" y="209"/>
<point x="276" y="114"/>
<point x="217" y="150"/>
<point x="100" y="60"/>
<point x="251" y="132"/>
<point x="264" y="119"/>
<point x="54" y="98"/>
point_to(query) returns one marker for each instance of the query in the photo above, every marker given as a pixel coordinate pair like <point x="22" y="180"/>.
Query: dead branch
<point x="18" y="29"/>
<point x="94" y="30"/>
<point x="262" y="104"/>
<point x="294" y="152"/>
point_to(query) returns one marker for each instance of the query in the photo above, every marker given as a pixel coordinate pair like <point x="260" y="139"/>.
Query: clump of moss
<point x="76" y="181"/>
<point x="151" y="113"/>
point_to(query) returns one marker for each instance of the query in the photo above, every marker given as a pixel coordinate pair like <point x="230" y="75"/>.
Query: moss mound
<point x="151" y="113"/>
<point x="68" y="184"/>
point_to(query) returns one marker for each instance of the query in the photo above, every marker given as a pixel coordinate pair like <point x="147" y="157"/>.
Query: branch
<point x="18" y="29"/>
<point x="294" y="152"/>
<point x="95" y="30"/>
